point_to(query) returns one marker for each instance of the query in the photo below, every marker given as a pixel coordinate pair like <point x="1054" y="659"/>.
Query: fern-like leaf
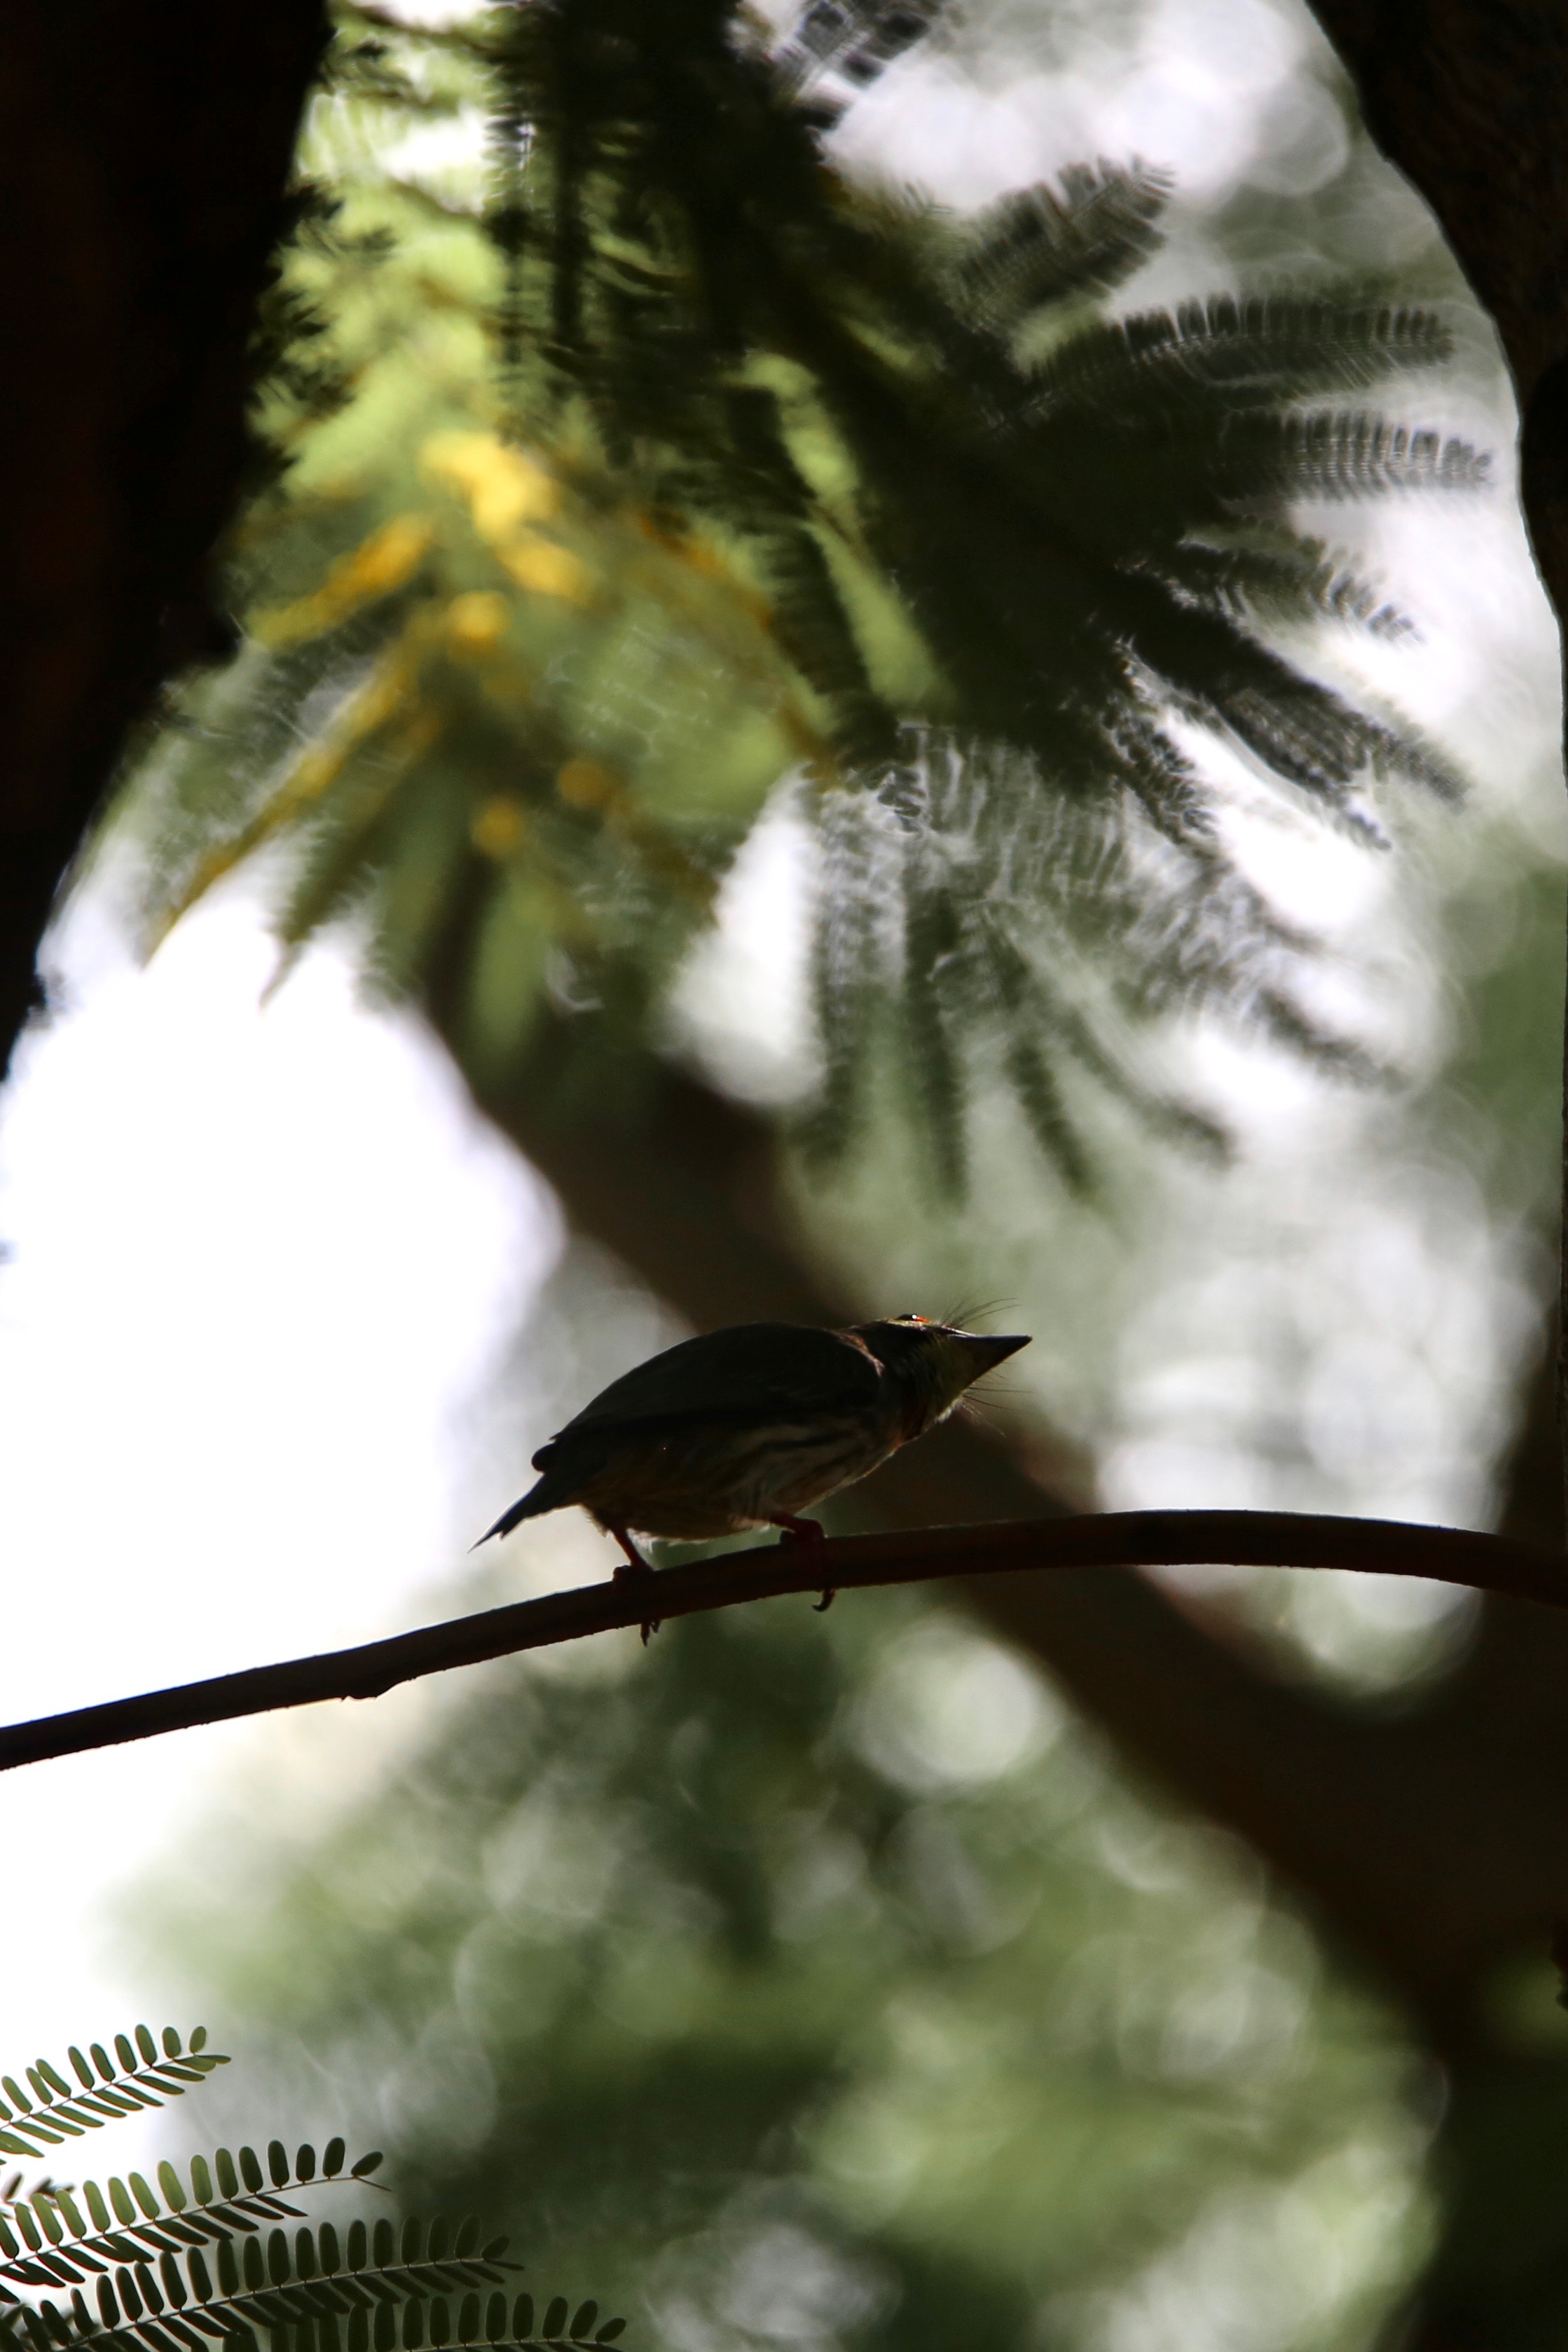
<point x="202" y="2258"/>
<point x="836" y="48"/>
<point x="142" y="2074"/>
<point x="790" y="475"/>
<point x="126" y="2222"/>
<point x="422" y="2284"/>
<point x="1044" y="245"/>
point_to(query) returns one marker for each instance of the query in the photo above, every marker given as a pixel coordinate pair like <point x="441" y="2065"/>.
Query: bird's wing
<point x="747" y="1374"/>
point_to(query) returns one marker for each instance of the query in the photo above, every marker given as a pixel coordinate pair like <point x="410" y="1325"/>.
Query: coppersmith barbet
<point x="749" y="1427"/>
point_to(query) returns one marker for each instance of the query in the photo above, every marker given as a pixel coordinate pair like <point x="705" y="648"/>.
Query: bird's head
<point x="932" y="1364"/>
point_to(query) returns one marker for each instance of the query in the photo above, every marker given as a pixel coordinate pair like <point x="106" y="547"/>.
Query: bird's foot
<point x="636" y="1566"/>
<point x="809" y="1533"/>
<point x="650" y="1625"/>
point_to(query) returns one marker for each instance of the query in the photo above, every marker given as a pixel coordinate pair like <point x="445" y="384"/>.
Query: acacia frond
<point x="984" y="931"/>
<point x="836" y="48"/>
<point x="788" y="475"/>
<point x="397" y="2285"/>
<point x="140" y="2074"/>
<point x="1262" y="348"/>
<point x="127" y="2224"/>
<point x="1043" y="245"/>
<point x="141" y="2270"/>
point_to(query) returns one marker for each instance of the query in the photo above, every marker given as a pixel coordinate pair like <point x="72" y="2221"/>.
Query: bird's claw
<point x="637" y="1567"/>
<point x="808" y="1533"/>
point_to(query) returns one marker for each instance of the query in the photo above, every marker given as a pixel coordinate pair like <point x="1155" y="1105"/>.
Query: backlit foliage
<point x="140" y="2271"/>
<point x="141" y="2075"/>
<point x="673" y="465"/>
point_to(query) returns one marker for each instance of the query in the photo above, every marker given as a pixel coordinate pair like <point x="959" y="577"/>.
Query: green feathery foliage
<point x="835" y="48"/>
<point x="199" y="2263"/>
<point x="140" y="2074"/>
<point x="778" y="476"/>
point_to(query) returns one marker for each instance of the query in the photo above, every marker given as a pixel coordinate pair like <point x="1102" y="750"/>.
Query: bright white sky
<point x="1212" y="89"/>
<point x="264" y="1259"/>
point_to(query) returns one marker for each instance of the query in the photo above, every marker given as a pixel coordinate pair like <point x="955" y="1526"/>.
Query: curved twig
<point x="1108" y="1539"/>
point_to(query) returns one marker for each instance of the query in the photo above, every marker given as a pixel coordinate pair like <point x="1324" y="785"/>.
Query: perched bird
<point x="749" y="1427"/>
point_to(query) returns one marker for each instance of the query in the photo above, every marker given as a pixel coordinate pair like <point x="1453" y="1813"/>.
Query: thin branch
<point x="1108" y="1540"/>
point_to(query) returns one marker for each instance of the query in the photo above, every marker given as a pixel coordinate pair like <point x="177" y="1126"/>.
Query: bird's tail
<point x="528" y="1507"/>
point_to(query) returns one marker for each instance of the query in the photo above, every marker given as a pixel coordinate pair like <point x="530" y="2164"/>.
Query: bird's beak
<point x="985" y="1353"/>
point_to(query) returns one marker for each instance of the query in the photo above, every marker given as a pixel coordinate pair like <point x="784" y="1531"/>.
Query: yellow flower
<point x="498" y="828"/>
<point x="582" y="784"/>
<point x="477" y="622"/>
<point x="504" y="489"/>
<point x="383" y="562"/>
<point x="507" y="493"/>
<point x="547" y="568"/>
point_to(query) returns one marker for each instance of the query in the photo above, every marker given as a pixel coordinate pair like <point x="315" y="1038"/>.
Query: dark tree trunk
<point x="145" y="154"/>
<point x="1469" y="99"/>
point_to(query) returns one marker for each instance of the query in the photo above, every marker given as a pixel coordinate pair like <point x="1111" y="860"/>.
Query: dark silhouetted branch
<point x="1111" y="1539"/>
